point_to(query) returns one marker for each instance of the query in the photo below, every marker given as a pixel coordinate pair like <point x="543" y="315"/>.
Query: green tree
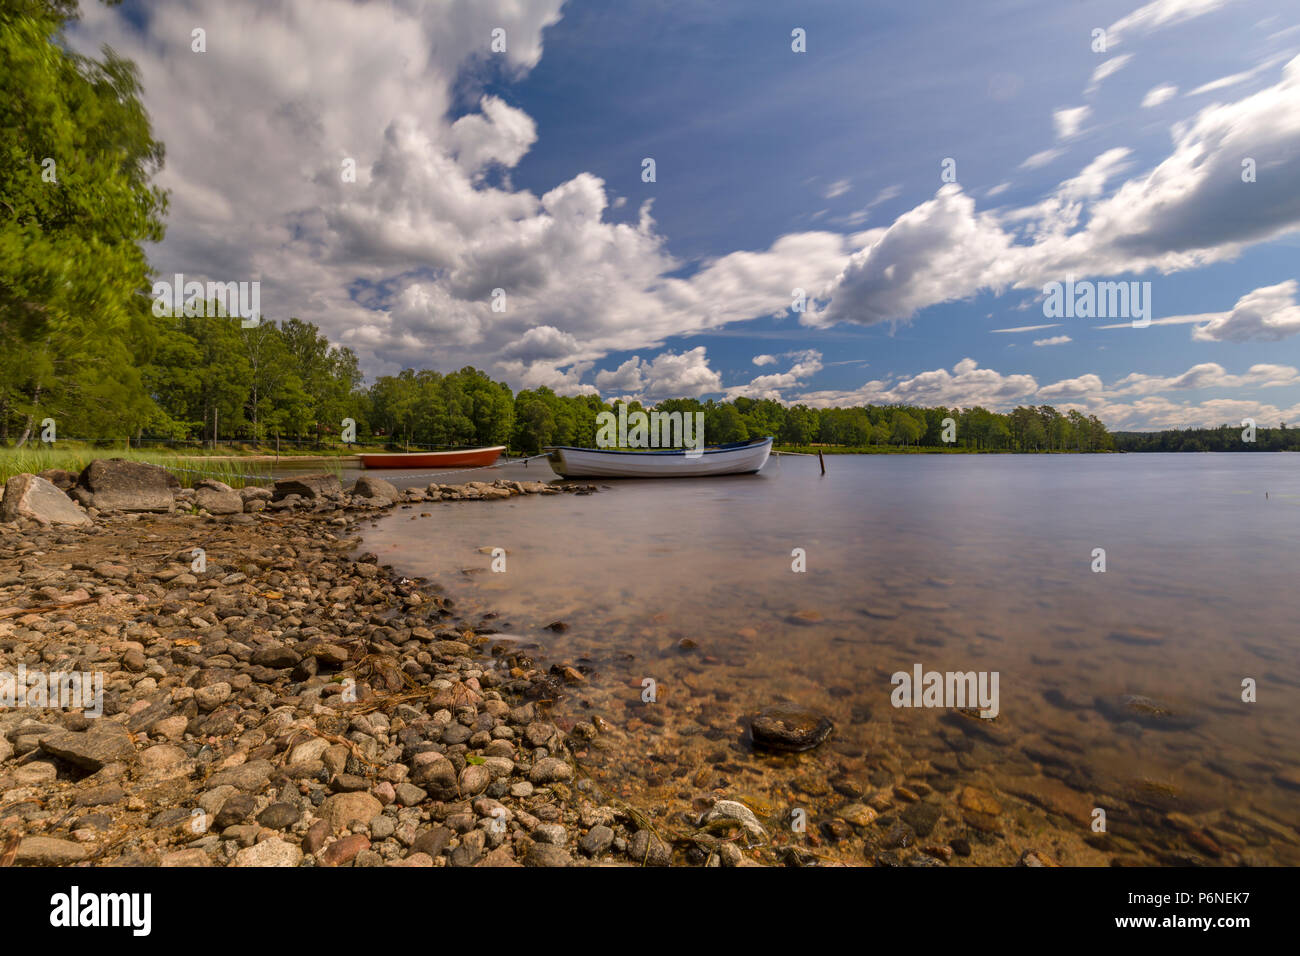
<point x="76" y="159"/>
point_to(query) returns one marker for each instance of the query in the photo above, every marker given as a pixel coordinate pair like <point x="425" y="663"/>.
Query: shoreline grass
<point x="188" y="466"/>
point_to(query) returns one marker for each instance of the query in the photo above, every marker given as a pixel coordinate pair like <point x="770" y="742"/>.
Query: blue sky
<point x="521" y="171"/>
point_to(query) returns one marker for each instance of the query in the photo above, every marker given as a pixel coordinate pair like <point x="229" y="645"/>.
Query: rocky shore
<point x="271" y="697"/>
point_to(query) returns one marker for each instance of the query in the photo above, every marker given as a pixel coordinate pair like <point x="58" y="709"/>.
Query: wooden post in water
<point x="821" y="460"/>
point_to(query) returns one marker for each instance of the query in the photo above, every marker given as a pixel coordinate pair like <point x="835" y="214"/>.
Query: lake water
<point x="951" y="562"/>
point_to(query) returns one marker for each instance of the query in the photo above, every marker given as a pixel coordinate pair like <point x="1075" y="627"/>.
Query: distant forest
<point x="1223" y="438"/>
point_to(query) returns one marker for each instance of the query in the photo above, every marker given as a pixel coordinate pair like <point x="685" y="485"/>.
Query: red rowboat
<point x="467" y="457"/>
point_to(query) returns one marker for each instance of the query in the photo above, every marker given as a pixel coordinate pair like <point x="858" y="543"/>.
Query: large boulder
<point x="307" y="486"/>
<point x="217" y="498"/>
<point x="120" y="485"/>
<point x="31" y="496"/>
<point x="368" y="486"/>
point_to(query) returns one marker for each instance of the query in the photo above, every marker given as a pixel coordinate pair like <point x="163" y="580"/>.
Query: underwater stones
<point x="1145" y="711"/>
<point x="788" y="728"/>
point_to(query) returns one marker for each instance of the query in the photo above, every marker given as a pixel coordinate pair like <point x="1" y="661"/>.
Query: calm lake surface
<point x="1119" y="690"/>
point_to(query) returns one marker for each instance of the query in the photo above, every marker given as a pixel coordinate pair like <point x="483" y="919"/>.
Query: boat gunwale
<point x="707" y="450"/>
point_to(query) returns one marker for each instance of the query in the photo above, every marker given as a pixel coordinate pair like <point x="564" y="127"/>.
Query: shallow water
<point x="956" y="563"/>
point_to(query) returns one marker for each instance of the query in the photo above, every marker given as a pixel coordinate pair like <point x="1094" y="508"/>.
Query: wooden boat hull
<point x="736" y="459"/>
<point x="460" y="458"/>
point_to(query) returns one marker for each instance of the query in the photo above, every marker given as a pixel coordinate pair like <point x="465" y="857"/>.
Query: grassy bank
<point x="224" y="464"/>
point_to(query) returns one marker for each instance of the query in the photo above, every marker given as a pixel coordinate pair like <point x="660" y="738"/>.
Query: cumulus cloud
<point x="1136" y="401"/>
<point x="762" y="360"/>
<point x="807" y="363"/>
<point x="1267" y="314"/>
<point x="403" y="262"/>
<point x="1264" y="315"/>
<point x="1190" y="210"/>
<point x="667" y="375"/>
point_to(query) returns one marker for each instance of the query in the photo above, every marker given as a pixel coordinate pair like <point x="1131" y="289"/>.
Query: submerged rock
<point x="789" y="728"/>
<point x="1146" y="711"/>
<point x="726" y="813"/>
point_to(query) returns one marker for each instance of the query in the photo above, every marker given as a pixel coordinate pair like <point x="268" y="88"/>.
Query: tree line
<point x="1222" y="438"/>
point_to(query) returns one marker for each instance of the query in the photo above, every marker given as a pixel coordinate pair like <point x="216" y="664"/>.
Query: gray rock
<point x="122" y="485"/>
<point x="105" y="742"/>
<point x="546" y="854"/>
<point x="217" y="498"/>
<point x="551" y="833"/>
<point x="597" y="840"/>
<point x="474" y="779"/>
<point x="235" y="810"/>
<point x="646" y="848"/>
<point x="30" y="496"/>
<point x="251" y="776"/>
<point x="343" y="810"/>
<point x="409" y="795"/>
<point x="48" y="851"/>
<point x="306" y="486"/>
<point x="368" y="486"/>
<point x="470" y="850"/>
<point x="279" y="816"/>
<point x="550" y="770"/>
<point x="270" y="852"/>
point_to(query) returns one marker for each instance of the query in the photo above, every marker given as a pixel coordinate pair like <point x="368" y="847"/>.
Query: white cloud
<point x="761" y="360"/>
<point x="1068" y="120"/>
<point x="1134" y="402"/>
<point x="1029" y="328"/>
<point x="807" y="363"/>
<point x="1235" y="79"/>
<point x="837" y="188"/>
<point x="1108" y="68"/>
<point x="1268" y="314"/>
<point x="668" y="375"/>
<point x="1054" y="340"/>
<point x="1159" y="94"/>
<point x="1041" y="158"/>
<point x="1160" y="13"/>
<point x="1190" y="210"/>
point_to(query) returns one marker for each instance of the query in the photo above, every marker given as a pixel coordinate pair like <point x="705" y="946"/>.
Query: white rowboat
<point x="738" y="458"/>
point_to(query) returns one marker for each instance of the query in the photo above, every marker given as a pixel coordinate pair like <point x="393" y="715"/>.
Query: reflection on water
<point x="1119" y="690"/>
